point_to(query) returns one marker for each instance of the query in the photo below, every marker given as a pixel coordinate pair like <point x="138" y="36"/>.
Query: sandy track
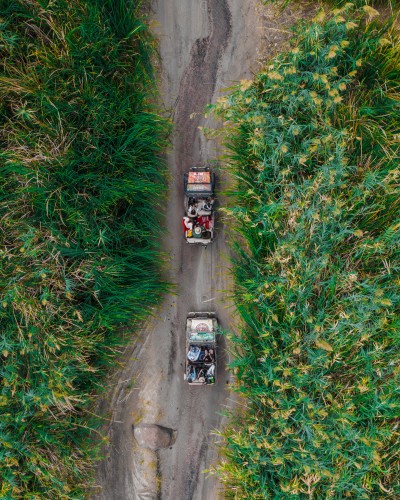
<point x="205" y="45"/>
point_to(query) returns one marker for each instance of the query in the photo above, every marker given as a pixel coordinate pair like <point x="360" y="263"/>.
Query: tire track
<point x="198" y="83"/>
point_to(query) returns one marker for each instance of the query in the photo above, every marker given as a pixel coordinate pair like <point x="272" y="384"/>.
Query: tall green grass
<point x="81" y="184"/>
<point x="383" y="4"/>
<point x="314" y="147"/>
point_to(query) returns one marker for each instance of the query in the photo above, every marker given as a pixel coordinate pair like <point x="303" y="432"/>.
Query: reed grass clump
<point x="81" y="185"/>
<point x="382" y="4"/>
<point x="313" y="143"/>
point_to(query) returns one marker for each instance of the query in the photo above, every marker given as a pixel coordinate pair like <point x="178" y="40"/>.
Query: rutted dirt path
<point x="205" y="45"/>
<point x="198" y="83"/>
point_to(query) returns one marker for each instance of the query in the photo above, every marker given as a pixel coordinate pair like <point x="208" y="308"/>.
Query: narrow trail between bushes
<point x="205" y="45"/>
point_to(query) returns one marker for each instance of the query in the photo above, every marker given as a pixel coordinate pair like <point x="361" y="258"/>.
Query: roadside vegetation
<point x="313" y="143"/>
<point x="81" y="182"/>
<point x="387" y="4"/>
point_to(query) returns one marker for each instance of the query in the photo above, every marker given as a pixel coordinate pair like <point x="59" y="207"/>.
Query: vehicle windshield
<point x="202" y="336"/>
<point x="199" y="188"/>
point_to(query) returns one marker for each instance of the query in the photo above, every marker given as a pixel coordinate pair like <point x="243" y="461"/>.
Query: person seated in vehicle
<point x="192" y="211"/>
<point x="208" y="205"/>
<point x="187" y="224"/>
<point x="208" y="355"/>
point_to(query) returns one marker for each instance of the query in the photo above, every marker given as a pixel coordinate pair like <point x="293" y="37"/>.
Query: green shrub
<point x="314" y="148"/>
<point x="82" y="181"/>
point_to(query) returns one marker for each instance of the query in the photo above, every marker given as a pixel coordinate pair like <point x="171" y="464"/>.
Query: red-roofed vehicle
<point x="198" y="222"/>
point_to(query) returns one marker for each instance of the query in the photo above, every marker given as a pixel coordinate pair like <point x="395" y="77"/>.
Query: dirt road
<point x="205" y="45"/>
